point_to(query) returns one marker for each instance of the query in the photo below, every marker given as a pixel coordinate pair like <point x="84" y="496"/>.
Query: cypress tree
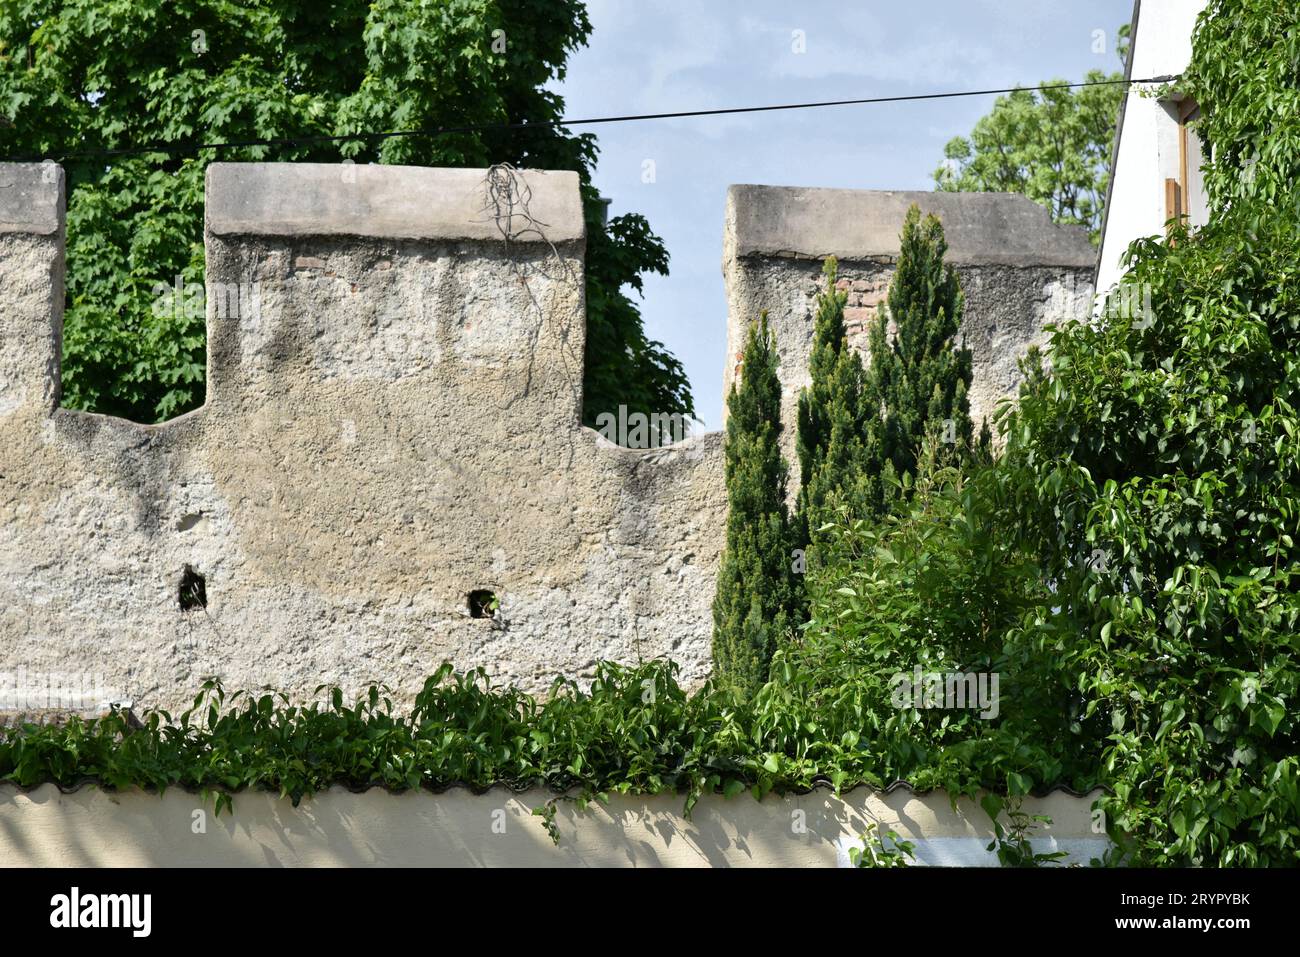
<point x="861" y="427"/>
<point x="919" y="379"/>
<point x="833" y="429"/>
<point x="755" y="593"/>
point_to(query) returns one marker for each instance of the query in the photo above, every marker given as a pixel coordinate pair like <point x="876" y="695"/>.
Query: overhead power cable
<point x="589" y="121"/>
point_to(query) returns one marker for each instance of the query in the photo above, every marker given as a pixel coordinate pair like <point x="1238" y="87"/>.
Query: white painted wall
<point x="337" y="828"/>
<point x="1148" y="147"/>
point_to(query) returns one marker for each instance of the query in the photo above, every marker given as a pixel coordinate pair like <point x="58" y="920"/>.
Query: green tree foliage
<point x="1129" y="566"/>
<point x="623" y="366"/>
<point x="918" y="377"/>
<point x="755" y="593"/>
<point x="78" y="76"/>
<point x="1156" y="472"/>
<point x="860" y="430"/>
<point x="1050" y="144"/>
<point x="937" y="585"/>
<point x="835" y="464"/>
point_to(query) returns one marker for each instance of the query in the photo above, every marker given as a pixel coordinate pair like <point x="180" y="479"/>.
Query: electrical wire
<point x="590" y="121"/>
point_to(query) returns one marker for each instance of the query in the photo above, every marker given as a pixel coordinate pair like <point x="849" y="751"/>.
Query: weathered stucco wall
<point x="91" y="828"/>
<point x="394" y="385"/>
<point x="1018" y="271"/>
<point x="391" y="423"/>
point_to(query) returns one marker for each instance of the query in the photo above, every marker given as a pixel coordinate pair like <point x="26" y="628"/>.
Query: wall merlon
<point x="1019" y="271"/>
<point x="31" y="287"/>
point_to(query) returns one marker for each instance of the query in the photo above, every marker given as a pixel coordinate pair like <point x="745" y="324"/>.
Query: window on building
<point x="1185" y="196"/>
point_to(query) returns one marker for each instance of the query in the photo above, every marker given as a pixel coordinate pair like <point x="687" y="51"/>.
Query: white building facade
<point x="1156" y="175"/>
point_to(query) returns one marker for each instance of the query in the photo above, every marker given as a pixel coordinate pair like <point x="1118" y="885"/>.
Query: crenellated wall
<point x="392" y="422"/>
<point x="395" y="364"/>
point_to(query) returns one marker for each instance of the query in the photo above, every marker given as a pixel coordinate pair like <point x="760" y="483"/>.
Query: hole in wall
<point x="482" y="603"/>
<point x="193" y="591"/>
<point x="189" y="521"/>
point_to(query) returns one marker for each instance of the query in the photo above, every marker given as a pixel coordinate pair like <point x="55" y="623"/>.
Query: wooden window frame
<point x="1177" y="202"/>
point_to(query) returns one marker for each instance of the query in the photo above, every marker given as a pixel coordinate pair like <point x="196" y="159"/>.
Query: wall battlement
<point x="395" y="366"/>
<point x="395" y="360"/>
<point x="1018" y="271"/>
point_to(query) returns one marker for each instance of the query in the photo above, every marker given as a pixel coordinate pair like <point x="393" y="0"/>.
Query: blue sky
<point x="651" y="56"/>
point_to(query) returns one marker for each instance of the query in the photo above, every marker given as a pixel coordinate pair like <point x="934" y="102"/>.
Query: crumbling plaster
<point x="395" y="427"/>
<point x="392" y="422"/>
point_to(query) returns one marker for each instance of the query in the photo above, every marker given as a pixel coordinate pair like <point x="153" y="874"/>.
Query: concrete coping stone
<point x="31" y="198"/>
<point x="390" y="202"/>
<point x="981" y="228"/>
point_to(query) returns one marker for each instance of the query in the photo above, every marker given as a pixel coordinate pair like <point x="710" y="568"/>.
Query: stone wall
<point x="1018" y="271"/>
<point x="392" y="423"/>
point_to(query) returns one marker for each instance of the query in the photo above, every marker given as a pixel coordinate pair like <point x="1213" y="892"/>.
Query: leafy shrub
<point x="635" y="731"/>
<point x="881" y="850"/>
<point x="937" y="586"/>
<point x="1155" y="472"/>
